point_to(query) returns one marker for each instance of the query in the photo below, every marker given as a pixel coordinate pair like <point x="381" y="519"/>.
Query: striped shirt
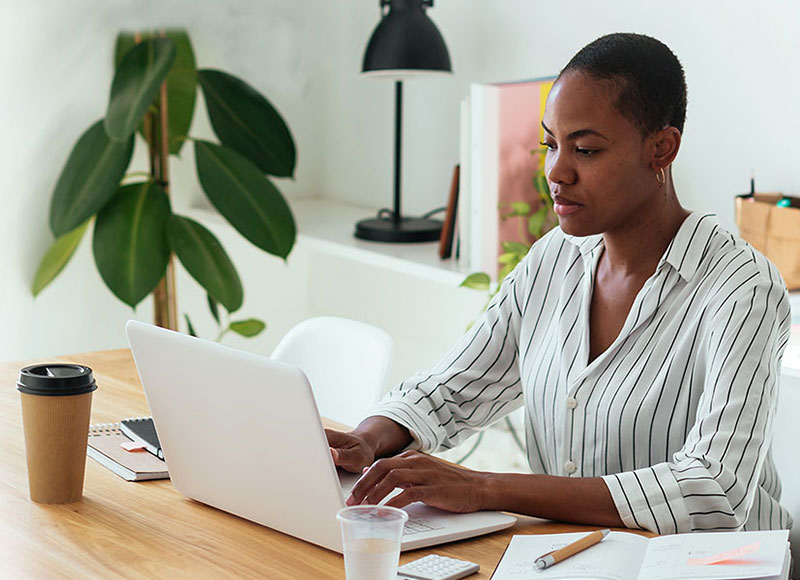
<point x="676" y="415"/>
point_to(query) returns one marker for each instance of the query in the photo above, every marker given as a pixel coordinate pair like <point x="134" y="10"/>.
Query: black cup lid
<point x="56" y="379"/>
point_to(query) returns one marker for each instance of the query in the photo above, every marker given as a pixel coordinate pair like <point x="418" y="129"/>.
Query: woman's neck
<point x="636" y="249"/>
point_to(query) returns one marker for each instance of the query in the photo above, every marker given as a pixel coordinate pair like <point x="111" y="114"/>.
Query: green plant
<point x="136" y="233"/>
<point x="533" y="224"/>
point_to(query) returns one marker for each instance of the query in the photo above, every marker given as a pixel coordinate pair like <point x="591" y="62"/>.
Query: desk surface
<point x="147" y="529"/>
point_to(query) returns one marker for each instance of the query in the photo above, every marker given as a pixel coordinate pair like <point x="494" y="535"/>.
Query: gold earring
<point x="661" y="177"/>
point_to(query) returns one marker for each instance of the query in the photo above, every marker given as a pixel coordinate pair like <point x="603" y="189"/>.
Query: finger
<point x="368" y="480"/>
<point x="398" y="477"/>
<point x="411" y="461"/>
<point x="408" y="496"/>
<point x="352" y="460"/>
<point x="336" y="438"/>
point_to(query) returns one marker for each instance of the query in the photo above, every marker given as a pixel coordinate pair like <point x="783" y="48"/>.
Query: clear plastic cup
<point x="371" y="536"/>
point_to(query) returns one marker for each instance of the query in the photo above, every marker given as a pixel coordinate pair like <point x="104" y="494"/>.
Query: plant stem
<point x="164" y="295"/>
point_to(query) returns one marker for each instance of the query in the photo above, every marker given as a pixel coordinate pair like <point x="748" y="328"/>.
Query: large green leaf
<point x="246" y="121"/>
<point x="246" y="197"/>
<point x="57" y="257"/>
<point x="89" y="178"/>
<point x="205" y="259"/>
<point x="130" y="241"/>
<point x="136" y="84"/>
<point x="181" y="82"/>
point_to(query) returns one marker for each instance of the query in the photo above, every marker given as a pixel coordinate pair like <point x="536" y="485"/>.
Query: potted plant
<point x="136" y="234"/>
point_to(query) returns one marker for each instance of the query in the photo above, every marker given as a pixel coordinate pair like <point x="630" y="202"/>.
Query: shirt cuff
<point x="649" y="498"/>
<point x="424" y="435"/>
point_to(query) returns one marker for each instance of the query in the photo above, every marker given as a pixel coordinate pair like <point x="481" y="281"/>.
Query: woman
<point x="643" y="340"/>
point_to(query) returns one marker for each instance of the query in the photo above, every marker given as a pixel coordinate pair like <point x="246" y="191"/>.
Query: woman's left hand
<point x="422" y="478"/>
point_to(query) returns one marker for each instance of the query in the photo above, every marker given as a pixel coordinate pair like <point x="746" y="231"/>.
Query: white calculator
<point x="435" y="567"/>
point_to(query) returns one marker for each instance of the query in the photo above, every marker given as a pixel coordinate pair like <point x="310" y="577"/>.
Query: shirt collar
<point x="684" y="251"/>
<point x="688" y="246"/>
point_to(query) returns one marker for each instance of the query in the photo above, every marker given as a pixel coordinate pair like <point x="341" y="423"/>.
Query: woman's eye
<point x="584" y="151"/>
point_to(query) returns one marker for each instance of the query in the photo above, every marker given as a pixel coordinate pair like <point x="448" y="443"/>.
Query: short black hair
<point x="649" y="78"/>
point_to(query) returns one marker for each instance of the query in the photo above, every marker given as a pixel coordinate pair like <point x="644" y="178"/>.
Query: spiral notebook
<point x="105" y="446"/>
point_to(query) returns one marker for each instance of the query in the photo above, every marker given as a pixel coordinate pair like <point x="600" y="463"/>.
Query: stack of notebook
<point x="129" y="448"/>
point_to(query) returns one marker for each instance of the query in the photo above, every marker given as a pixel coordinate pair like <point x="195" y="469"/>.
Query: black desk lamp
<point x="406" y="42"/>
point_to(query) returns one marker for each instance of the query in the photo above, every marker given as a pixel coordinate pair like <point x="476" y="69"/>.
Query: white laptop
<point x="241" y="433"/>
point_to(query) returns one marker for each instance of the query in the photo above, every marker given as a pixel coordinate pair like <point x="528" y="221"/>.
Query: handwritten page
<point x="715" y="555"/>
<point x="617" y="557"/>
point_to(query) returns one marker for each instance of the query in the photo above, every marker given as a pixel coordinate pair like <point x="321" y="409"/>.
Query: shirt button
<point x="570" y="467"/>
<point x="572" y="403"/>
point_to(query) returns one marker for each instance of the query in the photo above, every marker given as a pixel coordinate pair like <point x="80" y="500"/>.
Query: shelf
<point x="327" y="226"/>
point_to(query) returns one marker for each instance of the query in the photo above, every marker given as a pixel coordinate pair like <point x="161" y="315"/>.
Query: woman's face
<point x="597" y="163"/>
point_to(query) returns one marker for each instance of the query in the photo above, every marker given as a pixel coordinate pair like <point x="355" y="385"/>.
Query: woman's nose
<point x="557" y="168"/>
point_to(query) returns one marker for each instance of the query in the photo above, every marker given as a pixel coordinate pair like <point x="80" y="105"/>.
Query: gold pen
<point x="556" y="556"/>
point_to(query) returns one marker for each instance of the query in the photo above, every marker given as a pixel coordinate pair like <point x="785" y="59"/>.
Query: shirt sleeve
<point x="476" y="383"/>
<point x="711" y="482"/>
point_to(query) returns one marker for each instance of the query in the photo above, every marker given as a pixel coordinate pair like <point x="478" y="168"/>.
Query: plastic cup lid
<point x="372" y="514"/>
<point x="56" y="379"/>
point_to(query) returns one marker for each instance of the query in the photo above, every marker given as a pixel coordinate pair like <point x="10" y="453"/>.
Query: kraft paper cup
<point x="56" y="404"/>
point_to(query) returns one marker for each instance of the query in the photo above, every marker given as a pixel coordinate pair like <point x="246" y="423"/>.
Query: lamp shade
<point x="406" y="40"/>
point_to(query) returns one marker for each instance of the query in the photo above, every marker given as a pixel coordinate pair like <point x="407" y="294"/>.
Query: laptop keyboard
<point x="412" y="526"/>
<point x="419" y="525"/>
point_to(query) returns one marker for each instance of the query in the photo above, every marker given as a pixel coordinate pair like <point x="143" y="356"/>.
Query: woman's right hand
<point x="373" y="438"/>
<point x="350" y="451"/>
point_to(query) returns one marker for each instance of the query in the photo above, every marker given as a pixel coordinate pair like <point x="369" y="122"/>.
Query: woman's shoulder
<point x="729" y="261"/>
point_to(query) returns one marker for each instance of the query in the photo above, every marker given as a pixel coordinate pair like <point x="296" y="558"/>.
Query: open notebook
<point x="626" y="556"/>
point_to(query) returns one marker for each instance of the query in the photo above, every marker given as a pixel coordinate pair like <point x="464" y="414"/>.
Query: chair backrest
<point x="787" y="457"/>
<point x="346" y="362"/>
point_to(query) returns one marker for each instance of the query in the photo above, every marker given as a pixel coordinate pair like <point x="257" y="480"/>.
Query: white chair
<point x="346" y="361"/>
<point x="787" y="458"/>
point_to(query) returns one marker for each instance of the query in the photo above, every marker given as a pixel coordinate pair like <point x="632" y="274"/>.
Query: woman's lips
<point x="565" y="207"/>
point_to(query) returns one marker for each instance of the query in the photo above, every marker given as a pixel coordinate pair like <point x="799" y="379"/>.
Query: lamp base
<point x="407" y="230"/>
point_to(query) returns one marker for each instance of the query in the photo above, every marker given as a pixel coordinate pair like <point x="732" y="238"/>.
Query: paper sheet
<point x="715" y="555"/>
<point x="626" y="556"/>
<point x="617" y="557"/>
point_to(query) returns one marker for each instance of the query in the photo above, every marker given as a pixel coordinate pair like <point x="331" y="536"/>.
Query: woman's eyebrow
<point x="578" y="133"/>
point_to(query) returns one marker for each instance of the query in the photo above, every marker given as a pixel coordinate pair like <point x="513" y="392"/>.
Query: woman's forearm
<point x="583" y="500"/>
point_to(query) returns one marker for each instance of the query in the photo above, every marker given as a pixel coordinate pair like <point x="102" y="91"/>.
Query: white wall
<point x="56" y="57"/>
<point x="740" y="58"/>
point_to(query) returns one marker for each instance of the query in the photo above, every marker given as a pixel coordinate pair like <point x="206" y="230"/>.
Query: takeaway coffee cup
<point x="56" y="402"/>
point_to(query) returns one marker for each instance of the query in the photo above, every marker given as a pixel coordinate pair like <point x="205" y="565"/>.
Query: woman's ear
<point x="665" y="145"/>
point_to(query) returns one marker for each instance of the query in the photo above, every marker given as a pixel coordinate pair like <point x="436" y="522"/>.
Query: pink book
<point x="505" y="122"/>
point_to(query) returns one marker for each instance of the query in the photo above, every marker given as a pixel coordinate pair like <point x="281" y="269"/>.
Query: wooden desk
<point x="147" y="529"/>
